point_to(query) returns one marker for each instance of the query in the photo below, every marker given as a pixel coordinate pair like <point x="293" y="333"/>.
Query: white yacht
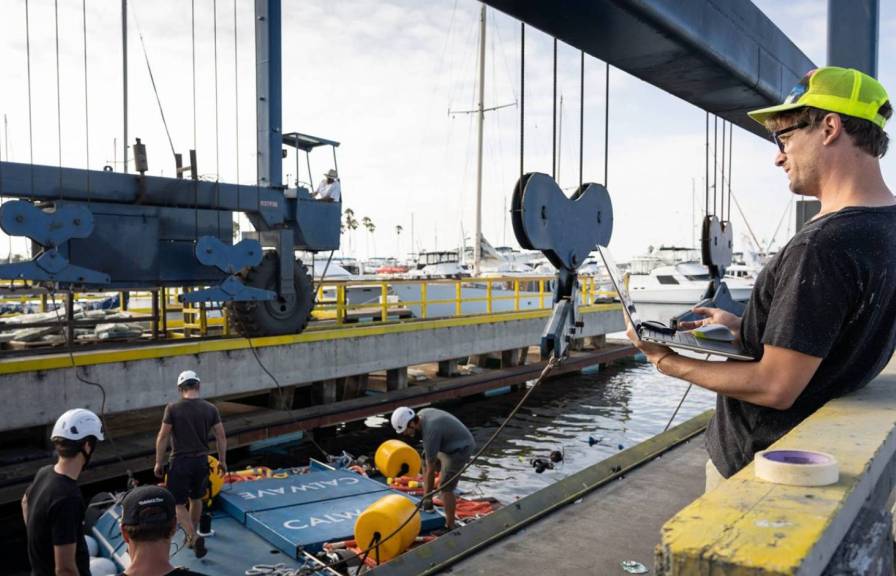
<point x="683" y="283"/>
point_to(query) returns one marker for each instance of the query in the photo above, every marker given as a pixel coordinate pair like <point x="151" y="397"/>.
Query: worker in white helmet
<point x="53" y="507"/>
<point x="187" y="424"/>
<point x="447" y="445"/>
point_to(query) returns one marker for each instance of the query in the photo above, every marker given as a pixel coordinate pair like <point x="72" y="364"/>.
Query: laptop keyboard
<point x="685" y="338"/>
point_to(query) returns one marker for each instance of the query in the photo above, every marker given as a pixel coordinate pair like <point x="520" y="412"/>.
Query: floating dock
<point x="273" y="520"/>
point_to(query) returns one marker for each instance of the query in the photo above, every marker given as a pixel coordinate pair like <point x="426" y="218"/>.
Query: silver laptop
<point x="658" y="333"/>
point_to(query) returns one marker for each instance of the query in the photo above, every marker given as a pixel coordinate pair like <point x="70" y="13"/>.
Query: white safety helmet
<point x="77" y="424"/>
<point x="187" y="376"/>
<point x="401" y="418"/>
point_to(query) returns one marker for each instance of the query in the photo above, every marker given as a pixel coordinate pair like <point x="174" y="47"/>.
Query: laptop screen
<point x="613" y="271"/>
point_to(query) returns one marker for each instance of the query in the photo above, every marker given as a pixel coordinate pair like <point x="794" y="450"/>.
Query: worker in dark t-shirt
<point x="187" y="423"/>
<point x="53" y="507"/>
<point x="821" y="320"/>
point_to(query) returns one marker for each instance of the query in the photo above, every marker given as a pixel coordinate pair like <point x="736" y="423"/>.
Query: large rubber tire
<point x="278" y="316"/>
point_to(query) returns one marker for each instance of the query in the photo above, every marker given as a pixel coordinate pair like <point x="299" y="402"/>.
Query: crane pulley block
<point x="566" y="230"/>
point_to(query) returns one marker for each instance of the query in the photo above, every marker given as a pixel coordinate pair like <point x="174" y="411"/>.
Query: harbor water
<point x="587" y="417"/>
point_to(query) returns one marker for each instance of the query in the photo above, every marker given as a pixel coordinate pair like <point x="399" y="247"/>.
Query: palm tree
<point x="370" y="226"/>
<point x="349" y="225"/>
<point x="398" y="231"/>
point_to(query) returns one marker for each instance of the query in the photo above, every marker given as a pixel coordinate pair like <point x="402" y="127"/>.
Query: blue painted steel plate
<point x="271" y="493"/>
<point x="231" y="551"/>
<point x="309" y="526"/>
<point x="108" y="535"/>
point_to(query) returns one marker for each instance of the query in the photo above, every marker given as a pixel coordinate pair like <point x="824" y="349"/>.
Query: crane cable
<point x="152" y="79"/>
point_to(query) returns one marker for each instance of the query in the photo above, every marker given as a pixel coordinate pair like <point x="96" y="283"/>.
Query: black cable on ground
<point x="552" y="363"/>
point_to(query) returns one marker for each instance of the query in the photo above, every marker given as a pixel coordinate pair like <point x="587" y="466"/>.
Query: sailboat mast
<point x="477" y="239"/>
<point x="124" y="80"/>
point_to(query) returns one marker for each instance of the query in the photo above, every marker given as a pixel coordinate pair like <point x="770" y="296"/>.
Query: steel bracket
<point x="51" y="266"/>
<point x="230" y="259"/>
<point x="48" y="228"/>
<point x="230" y="290"/>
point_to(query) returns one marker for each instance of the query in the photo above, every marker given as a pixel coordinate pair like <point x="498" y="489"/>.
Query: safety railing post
<point x="423" y="300"/>
<point x="154" y="294"/>
<point x="163" y="312"/>
<point x="488" y="296"/>
<point x="384" y="300"/>
<point x="541" y="293"/>
<point x="516" y="295"/>
<point x="458" y="298"/>
<point x="340" y="304"/>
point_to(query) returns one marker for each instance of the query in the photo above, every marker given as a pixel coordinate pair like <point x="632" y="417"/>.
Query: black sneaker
<point x="199" y="548"/>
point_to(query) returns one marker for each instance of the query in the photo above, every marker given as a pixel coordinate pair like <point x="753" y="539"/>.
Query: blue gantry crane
<point x="95" y="230"/>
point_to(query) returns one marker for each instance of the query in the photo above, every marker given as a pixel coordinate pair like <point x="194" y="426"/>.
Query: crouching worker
<point x="446" y="443"/>
<point x="148" y="522"/>
<point x="53" y="507"/>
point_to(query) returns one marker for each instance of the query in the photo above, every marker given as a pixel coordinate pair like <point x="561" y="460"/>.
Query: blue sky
<point x="381" y="76"/>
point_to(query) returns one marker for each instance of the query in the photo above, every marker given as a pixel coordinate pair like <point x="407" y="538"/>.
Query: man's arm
<point x="775" y="381"/>
<point x="161" y="445"/>
<point x="429" y="479"/>
<point x="221" y="443"/>
<point x="25" y="509"/>
<point x="64" y="559"/>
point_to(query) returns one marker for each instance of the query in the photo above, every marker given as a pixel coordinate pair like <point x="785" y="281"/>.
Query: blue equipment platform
<point x="271" y="521"/>
<point x="272" y="493"/>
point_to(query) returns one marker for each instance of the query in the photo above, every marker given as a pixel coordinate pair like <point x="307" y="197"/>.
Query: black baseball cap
<point x="148" y="505"/>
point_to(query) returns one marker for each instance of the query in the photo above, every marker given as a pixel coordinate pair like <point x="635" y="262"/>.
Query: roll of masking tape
<point x="796" y="467"/>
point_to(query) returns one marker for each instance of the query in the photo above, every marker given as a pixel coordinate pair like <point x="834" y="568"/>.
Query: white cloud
<point x="380" y="76"/>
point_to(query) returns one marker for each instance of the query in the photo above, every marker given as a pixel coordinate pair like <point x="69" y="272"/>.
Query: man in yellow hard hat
<point x="821" y="320"/>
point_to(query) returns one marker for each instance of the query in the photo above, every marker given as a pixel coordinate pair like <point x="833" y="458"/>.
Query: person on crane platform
<point x="148" y="522"/>
<point x="53" y="508"/>
<point x="821" y="317"/>
<point x="187" y="423"/>
<point x="329" y="189"/>
<point x="447" y="444"/>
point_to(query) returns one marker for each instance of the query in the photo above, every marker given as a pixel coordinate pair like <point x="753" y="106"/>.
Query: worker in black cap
<point x="148" y="522"/>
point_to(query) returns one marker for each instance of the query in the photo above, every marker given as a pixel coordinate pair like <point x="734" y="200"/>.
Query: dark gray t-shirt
<point x="830" y="293"/>
<point x="443" y="432"/>
<point x="191" y="420"/>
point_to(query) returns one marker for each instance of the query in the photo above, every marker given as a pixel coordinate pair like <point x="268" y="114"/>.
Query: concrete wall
<point x="38" y="397"/>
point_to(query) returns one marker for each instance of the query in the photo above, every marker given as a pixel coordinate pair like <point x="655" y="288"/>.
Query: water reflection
<point x="619" y="406"/>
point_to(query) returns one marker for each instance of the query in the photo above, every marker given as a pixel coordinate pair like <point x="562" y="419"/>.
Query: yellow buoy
<point x="381" y="519"/>
<point x="395" y="458"/>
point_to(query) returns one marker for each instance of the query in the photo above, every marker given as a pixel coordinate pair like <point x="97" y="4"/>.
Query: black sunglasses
<point x="776" y="135"/>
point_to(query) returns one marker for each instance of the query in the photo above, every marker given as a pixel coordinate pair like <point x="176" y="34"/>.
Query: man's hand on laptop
<point x="714" y="316"/>
<point x="653" y="352"/>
